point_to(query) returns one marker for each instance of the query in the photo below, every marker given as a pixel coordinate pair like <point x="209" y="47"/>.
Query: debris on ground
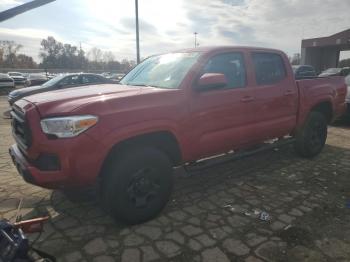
<point x="264" y="216"/>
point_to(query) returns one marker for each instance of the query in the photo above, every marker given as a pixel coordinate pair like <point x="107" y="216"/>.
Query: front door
<point x="222" y="118"/>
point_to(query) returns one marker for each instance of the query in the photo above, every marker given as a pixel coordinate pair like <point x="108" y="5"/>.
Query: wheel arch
<point x="163" y="140"/>
<point x="325" y="108"/>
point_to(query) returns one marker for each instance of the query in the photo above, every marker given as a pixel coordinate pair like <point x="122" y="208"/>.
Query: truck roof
<point x="228" y="48"/>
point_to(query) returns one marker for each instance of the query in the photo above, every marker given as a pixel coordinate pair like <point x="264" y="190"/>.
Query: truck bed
<point x="321" y="89"/>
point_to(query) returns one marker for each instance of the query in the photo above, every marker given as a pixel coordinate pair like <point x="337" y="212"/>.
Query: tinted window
<point x="86" y="79"/>
<point x="70" y="80"/>
<point x="269" y="68"/>
<point x="305" y="72"/>
<point x="231" y="65"/>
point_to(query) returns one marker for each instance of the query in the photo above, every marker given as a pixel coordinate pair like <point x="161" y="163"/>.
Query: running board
<point x="232" y="156"/>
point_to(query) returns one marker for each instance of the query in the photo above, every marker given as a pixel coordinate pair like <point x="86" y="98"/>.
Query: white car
<point x="18" y="78"/>
<point x="6" y="81"/>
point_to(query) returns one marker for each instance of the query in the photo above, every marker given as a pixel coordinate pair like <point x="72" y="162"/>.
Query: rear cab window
<point x="269" y="68"/>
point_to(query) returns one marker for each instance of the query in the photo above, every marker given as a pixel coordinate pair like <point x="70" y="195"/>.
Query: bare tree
<point x="95" y="54"/>
<point x="296" y="59"/>
<point x="8" y="52"/>
<point x="108" y="56"/>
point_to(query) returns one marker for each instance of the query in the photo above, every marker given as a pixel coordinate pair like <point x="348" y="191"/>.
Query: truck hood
<point x="66" y="100"/>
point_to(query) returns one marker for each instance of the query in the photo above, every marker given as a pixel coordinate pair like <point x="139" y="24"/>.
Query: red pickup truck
<point x="169" y="110"/>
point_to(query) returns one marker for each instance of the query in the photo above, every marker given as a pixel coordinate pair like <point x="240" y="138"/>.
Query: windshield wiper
<point x="145" y="85"/>
<point x="138" y="85"/>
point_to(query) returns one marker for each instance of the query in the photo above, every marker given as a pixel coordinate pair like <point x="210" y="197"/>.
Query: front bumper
<point x="78" y="162"/>
<point x="54" y="163"/>
<point x="21" y="164"/>
<point x="33" y="175"/>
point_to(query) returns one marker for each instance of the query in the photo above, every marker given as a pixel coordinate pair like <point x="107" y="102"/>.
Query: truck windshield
<point x="163" y="71"/>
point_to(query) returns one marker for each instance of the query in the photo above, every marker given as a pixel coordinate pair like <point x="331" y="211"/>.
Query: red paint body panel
<point x="203" y="123"/>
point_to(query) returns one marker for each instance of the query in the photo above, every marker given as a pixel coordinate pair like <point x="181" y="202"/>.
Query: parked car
<point x="113" y="76"/>
<point x="116" y="77"/>
<point x="304" y="71"/>
<point x="59" y="82"/>
<point x="171" y="109"/>
<point x="6" y="81"/>
<point x="347" y="100"/>
<point x="37" y="79"/>
<point x="18" y="78"/>
<point x="336" y="72"/>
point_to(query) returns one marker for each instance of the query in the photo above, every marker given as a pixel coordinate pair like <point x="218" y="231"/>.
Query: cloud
<point x="29" y="38"/>
<point x="168" y="25"/>
<point x="278" y="24"/>
<point x="145" y="27"/>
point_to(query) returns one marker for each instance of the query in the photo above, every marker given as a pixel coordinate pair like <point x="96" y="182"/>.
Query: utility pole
<point x="81" y="56"/>
<point x="195" y="39"/>
<point x="137" y="32"/>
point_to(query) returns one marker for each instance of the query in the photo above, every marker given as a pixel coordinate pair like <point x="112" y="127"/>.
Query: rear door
<point x="222" y="118"/>
<point x="276" y="95"/>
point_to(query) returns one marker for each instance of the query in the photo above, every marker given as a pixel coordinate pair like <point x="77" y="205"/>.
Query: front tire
<point x="138" y="185"/>
<point x="311" y="138"/>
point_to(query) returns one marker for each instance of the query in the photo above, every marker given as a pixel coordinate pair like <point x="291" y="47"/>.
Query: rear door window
<point x="90" y="79"/>
<point x="269" y="68"/>
<point x="70" y="81"/>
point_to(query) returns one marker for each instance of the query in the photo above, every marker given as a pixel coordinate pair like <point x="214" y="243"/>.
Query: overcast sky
<point x="169" y="24"/>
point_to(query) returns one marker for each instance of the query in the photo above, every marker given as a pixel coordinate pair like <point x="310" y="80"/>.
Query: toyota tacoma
<point x="169" y="110"/>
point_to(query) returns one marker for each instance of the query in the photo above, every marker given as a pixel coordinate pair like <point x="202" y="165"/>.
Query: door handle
<point x="247" y="99"/>
<point x="288" y="93"/>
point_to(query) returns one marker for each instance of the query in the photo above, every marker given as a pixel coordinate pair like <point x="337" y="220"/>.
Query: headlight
<point x="69" y="126"/>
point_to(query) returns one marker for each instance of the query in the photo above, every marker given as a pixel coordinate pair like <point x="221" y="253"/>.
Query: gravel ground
<point x="214" y="214"/>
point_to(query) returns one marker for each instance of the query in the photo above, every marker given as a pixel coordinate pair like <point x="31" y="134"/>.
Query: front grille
<point x="20" y="128"/>
<point x="6" y="80"/>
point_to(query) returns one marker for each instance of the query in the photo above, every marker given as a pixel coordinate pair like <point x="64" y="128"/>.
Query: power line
<point x="7" y="14"/>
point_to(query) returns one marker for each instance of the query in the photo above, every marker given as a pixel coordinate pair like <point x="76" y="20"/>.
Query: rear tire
<point x="138" y="185"/>
<point x="311" y="138"/>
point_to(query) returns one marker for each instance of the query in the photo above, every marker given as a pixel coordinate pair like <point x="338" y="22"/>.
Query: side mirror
<point x="211" y="81"/>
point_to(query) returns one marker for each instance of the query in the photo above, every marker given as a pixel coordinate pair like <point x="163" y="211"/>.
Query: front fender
<point x="114" y="137"/>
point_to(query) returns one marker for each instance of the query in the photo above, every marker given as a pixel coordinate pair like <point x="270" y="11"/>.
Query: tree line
<point x="55" y="54"/>
<point x="58" y="55"/>
<point x="10" y="58"/>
